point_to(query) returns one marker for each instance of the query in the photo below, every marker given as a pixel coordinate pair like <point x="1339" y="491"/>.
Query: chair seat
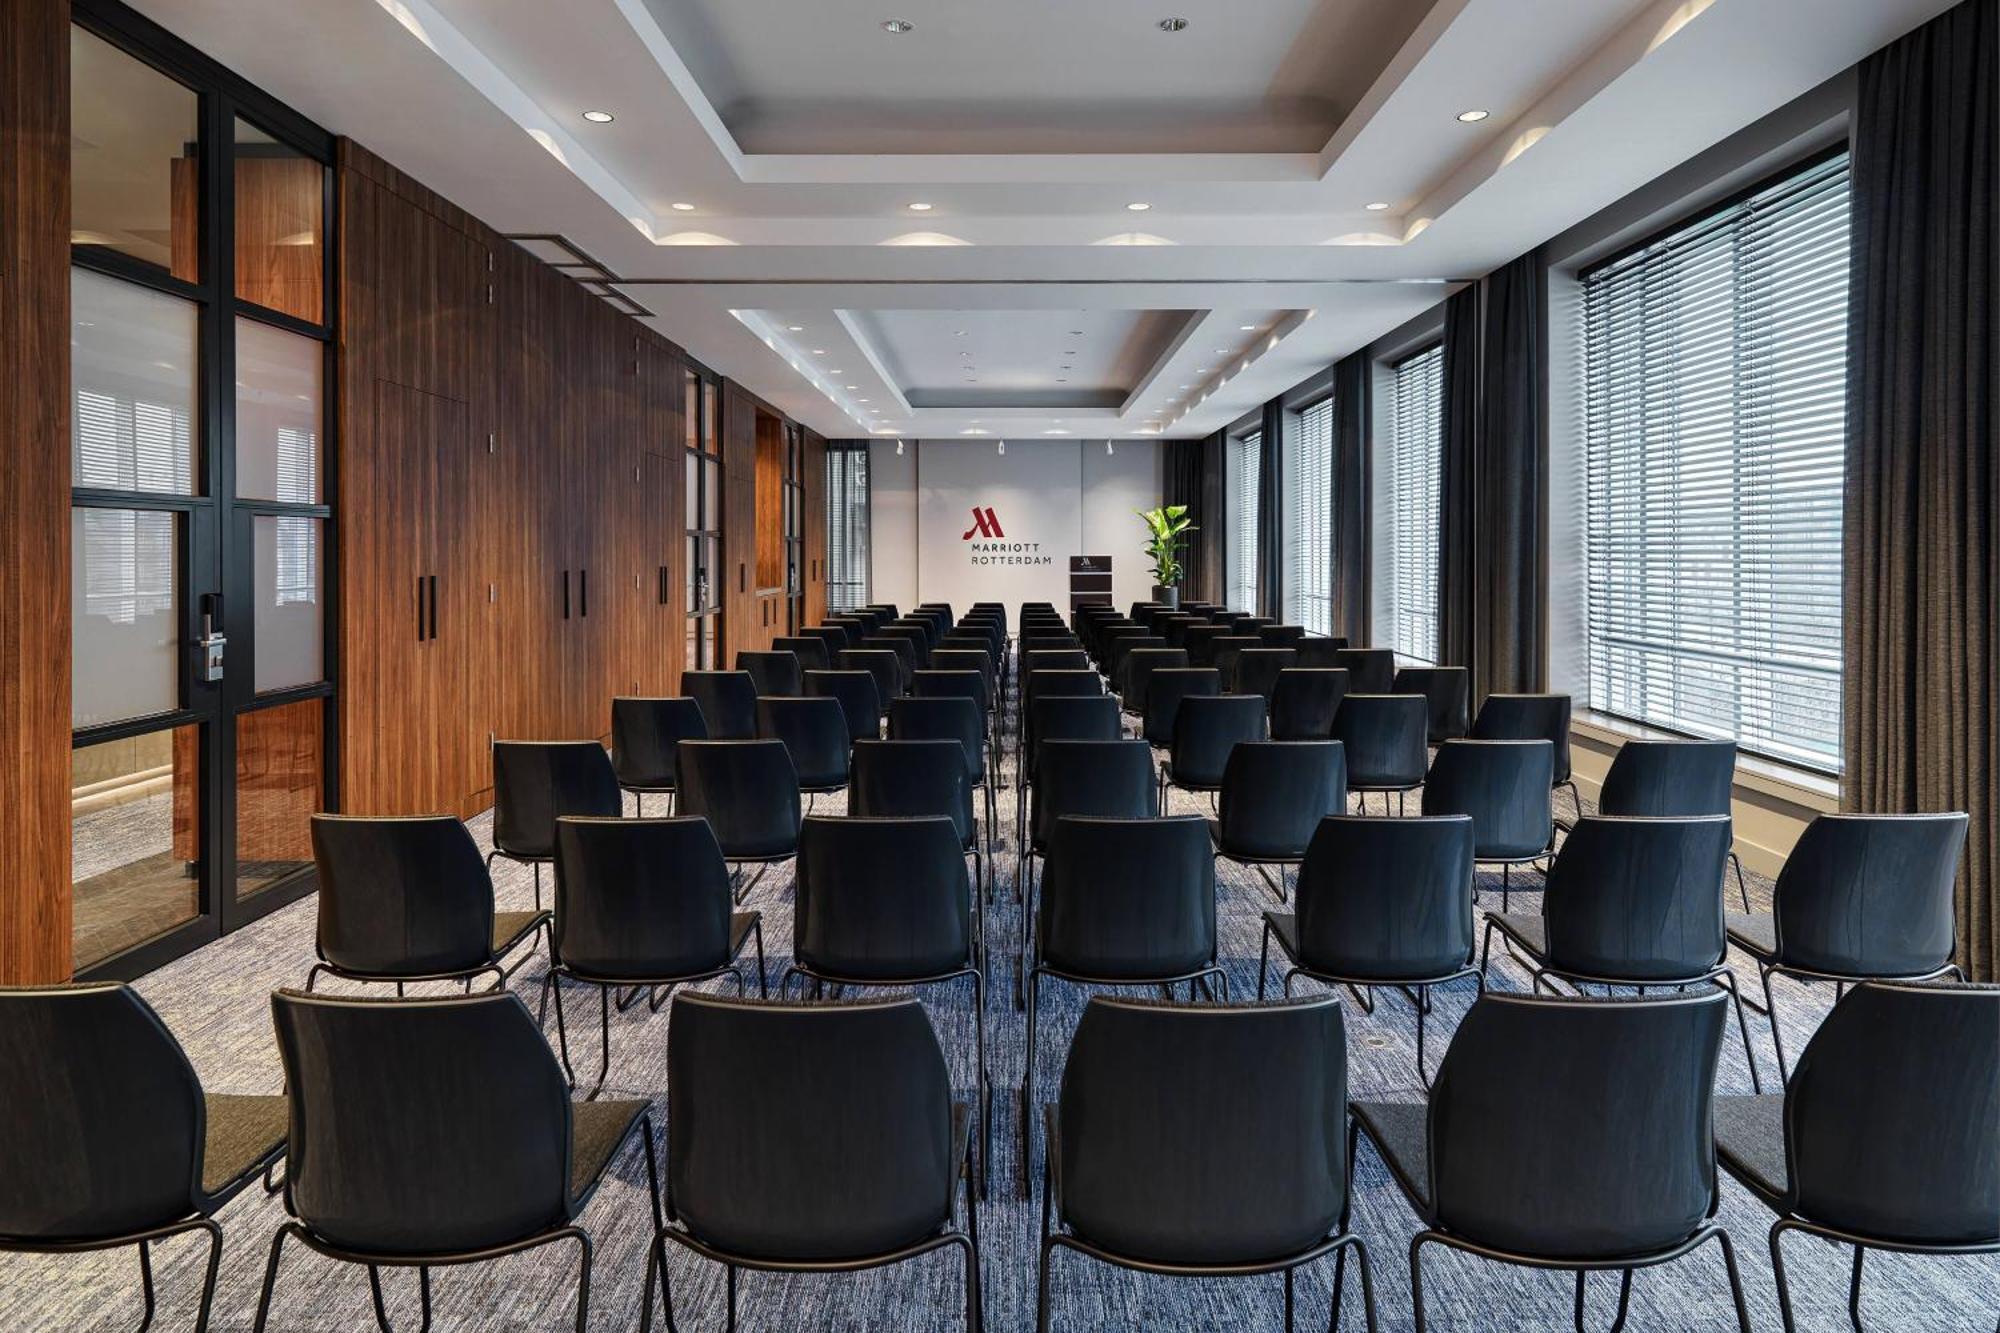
<point x="510" y="928"/>
<point x="596" y="1130"/>
<point x="1750" y="1142"/>
<point x="1756" y="933"/>
<point x="1401" y="1133"/>
<point x="1530" y="930"/>
<point x="242" y="1132"/>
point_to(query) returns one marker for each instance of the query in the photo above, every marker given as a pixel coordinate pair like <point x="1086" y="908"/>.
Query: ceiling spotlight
<point x="856" y="386"/>
<point x="1473" y="117"/>
<point x="1076" y="333"/>
<point x="1378" y="207"/>
<point x="1222" y="351"/>
<point x="1136" y="207"/>
<point x="1247" y="328"/>
<point x="1173" y="25"/>
<point x="897" y="26"/>
<point x="599" y="117"/>
<point x="683" y="208"/>
<point x="864" y="400"/>
<point x="796" y="328"/>
<point x="959" y="333"/>
<point x="920" y="208"/>
<point x="819" y="351"/>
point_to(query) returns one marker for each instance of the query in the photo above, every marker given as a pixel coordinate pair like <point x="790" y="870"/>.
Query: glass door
<point x="699" y="405"/>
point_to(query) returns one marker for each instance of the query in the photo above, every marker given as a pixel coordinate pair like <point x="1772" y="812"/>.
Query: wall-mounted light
<point x="1003" y="448"/>
<point x="1108" y="450"/>
<point x="899" y="448"/>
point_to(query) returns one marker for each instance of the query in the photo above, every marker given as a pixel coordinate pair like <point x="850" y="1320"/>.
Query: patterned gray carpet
<point x="215" y="1002"/>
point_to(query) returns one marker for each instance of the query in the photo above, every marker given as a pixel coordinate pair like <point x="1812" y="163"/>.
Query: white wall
<point x="892" y="523"/>
<point x="1116" y="487"/>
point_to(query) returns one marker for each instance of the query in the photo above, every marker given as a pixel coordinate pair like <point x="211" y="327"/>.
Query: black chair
<point x="645" y="736"/>
<point x="728" y="701"/>
<point x="1528" y="717"/>
<point x="1673" y="779"/>
<point x="1274" y="795"/>
<point x="1565" y="1134"/>
<point x="1205" y="731"/>
<point x="1117" y="669"/>
<point x="106" y="1136"/>
<point x="1382" y="901"/>
<point x="1108" y="640"/>
<point x="1054" y="659"/>
<point x="951" y="717"/>
<point x="811" y="1138"/>
<point x="748" y="792"/>
<point x="1370" y="670"/>
<point x="1630" y="902"/>
<point x="833" y="636"/>
<point x="409" y="899"/>
<point x="1224" y="652"/>
<point x="814" y="732"/>
<point x="1884" y="1139"/>
<point x="1281" y="636"/>
<point x="1140" y="666"/>
<point x="773" y="673"/>
<point x="1304" y="702"/>
<point x="859" y="696"/>
<point x="919" y="639"/>
<point x="537" y="782"/>
<point x="1448" y="693"/>
<point x="1317" y="650"/>
<point x="886" y="902"/>
<point x="1384" y="736"/>
<point x="1123" y="902"/>
<point x="1165" y="688"/>
<point x="642" y="904"/>
<point x="881" y="663"/>
<point x="1067" y="717"/>
<point x="1143" y="1174"/>
<point x="956" y="674"/>
<point x="1258" y="669"/>
<point x="1504" y="786"/>
<point x="902" y="648"/>
<point x="435" y="1132"/>
<point x="1199" y="640"/>
<point x="1047" y="684"/>
<point x="914" y="779"/>
<point x="1173" y="625"/>
<point x="811" y="652"/>
<point x="1861" y="898"/>
<point x="1251" y="625"/>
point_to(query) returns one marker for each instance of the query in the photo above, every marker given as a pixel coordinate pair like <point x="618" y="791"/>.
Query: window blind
<point x="846" y="526"/>
<point x="1244" y="455"/>
<point x="1416" y="459"/>
<point x="1715" y="382"/>
<point x="1309" y="519"/>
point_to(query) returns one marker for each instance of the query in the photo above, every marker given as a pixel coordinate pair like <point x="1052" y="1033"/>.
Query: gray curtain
<point x="1184" y="478"/>
<point x="1353" y="379"/>
<point x="1922" y="556"/>
<point x="1271" y="514"/>
<point x="1493" y="496"/>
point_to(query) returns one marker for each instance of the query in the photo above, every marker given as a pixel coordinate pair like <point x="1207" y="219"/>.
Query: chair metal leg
<point x="1417" y="1279"/>
<point x="538" y="886"/>
<point x="1741" y="888"/>
<point x="729" y="1285"/>
<point x="551" y="981"/>
<point x="1736" y="1284"/>
<point x="1505" y="873"/>
<point x="146" y="1283"/>
<point x="1032" y="986"/>
<point x="1771" y="1010"/>
<point x="757" y="933"/>
<point x="1728" y="979"/>
<point x="1854" y="1290"/>
<point x="270" y="1277"/>
<point x="1289" y="1323"/>
<point x="1778" y="1230"/>
<point x="1624" y="1299"/>
<point x="982" y="1083"/>
<point x="1263" y="962"/>
<point x="603" y="1042"/>
<point x="583" y="1280"/>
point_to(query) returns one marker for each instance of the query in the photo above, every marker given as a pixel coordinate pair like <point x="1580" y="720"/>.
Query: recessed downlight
<point x="819" y="351"/>
<point x="918" y="207"/>
<point x="1137" y="206"/>
<point x="795" y="328"/>
<point x="1377" y="207"/>
<point x="897" y="26"/>
<point x="683" y="208"/>
<point x="1247" y="328"/>
<point x="1222" y="351"/>
<point x="1473" y="117"/>
<point x="599" y="117"/>
<point x="1173" y="25"/>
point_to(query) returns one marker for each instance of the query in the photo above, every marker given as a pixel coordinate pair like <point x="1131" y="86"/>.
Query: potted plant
<point x="1167" y="528"/>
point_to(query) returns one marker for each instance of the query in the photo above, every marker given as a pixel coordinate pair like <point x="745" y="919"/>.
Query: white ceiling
<point x="731" y="106"/>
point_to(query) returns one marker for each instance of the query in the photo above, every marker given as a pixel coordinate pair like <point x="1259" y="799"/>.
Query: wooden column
<point x="34" y="493"/>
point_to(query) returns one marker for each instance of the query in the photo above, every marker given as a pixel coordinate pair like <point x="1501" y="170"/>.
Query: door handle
<point x="565" y="594"/>
<point x="434" y="606"/>
<point x="420" y="608"/>
<point x="583" y="592"/>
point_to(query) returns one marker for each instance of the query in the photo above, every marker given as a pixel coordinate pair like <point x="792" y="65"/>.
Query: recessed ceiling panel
<point x="1035" y="76"/>
<point x="1027" y="358"/>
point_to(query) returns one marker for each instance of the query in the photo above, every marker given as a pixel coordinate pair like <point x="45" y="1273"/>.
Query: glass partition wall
<point x="201" y="421"/>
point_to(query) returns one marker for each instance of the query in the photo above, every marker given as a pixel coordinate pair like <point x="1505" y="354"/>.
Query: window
<point x="1715" y="375"/>
<point x="1416" y="446"/>
<point x="846" y="526"/>
<point x="1245" y="454"/>
<point x="1309" y="519"/>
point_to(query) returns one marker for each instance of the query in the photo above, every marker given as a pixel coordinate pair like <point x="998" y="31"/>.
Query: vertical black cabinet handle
<point x="420" y="608"/>
<point x="583" y="592"/>
<point x="434" y="606"/>
<point x="565" y="594"/>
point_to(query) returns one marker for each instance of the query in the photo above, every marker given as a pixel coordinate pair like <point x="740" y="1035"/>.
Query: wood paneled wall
<point x="510" y="468"/>
<point x="34" y="493"/>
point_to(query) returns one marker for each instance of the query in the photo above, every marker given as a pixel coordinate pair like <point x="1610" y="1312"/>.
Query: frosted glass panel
<point x="288" y="612"/>
<point x="133" y="374"/>
<point x="124" y="606"/>
<point x="278" y="378"/>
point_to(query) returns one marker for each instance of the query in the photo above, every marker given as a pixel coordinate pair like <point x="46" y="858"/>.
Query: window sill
<point x="1785" y="782"/>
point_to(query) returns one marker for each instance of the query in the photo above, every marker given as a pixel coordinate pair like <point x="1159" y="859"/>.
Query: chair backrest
<point x="1173" y="625"/>
<point x="422" y="1125"/>
<point x="1223" y="652"/>
<point x="1042" y="683"/>
<point x="1373" y="670"/>
<point x="1121" y="657"/>
<point x="882" y="899"/>
<point x="899" y="779"/>
<point x="1317" y="650"/>
<point x="772" y="672"/>
<point x="103" y="1121"/>
<point x="807" y="1131"/>
<point x="916" y="637"/>
<point x="1199" y="640"/>
<point x="1071" y="717"/>
<point x="1244" y="623"/>
<point x="814" y="733"/>
<point x="1387" y="897"/>
<point x="1109" y="779"/>
<point x="644" y="737"/>
<point x="833" y="636"/>
<point x="1165" y="688"/>
<point x="1637" y="898"/>
<point x="1577" y="1129"/>
<point x="1206" y="730"/>
<point x="1384" y="736"/>
<point x="1504" y="786"/>
<point x="1870" y="895"/>
<point x="536" y="782"/>
<point x="1304" y="702"/>
<point x="904" y="650"/>
<point x="1055" y="659"/>
<point x="728" y="702"/>
<point x="811" y="652"/>
<point x="1274" y="794"/>
<point x="951" y="675"/>
<point x="407" y="896"/>
<point x="749" y="793"/>
<point x="1140" y="664"/>
<point x="1447" y="692"/>
<point x="640" y="898"/>
<point x="1128" y="899"/>
<point x="1527" y="717"/>
<point x="1257" y="670"/>
<point x="1890" y="1115"/>
<point x="1281" y="636"/>
<point x="1668" y="778"/>
<point x="947" y="718"/>
<point x="860" y="699"/>
<point x="884" y="665"/>
<point x="1143" y="1170"/>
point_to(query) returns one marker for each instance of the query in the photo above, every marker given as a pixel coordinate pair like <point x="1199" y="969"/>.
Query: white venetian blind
<point x="1715" y="383"/>
<point x="1416" y="452"/>
<point x="1244" y="456"/>
<point x="1308" y="478"/>
<point x="846" y="526"/>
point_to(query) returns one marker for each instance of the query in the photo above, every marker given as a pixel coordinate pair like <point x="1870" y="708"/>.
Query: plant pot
<point x="1167" y="597"/>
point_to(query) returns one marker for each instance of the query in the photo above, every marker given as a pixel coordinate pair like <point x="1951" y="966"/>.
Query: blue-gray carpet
<point x="215" y="1002"/>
